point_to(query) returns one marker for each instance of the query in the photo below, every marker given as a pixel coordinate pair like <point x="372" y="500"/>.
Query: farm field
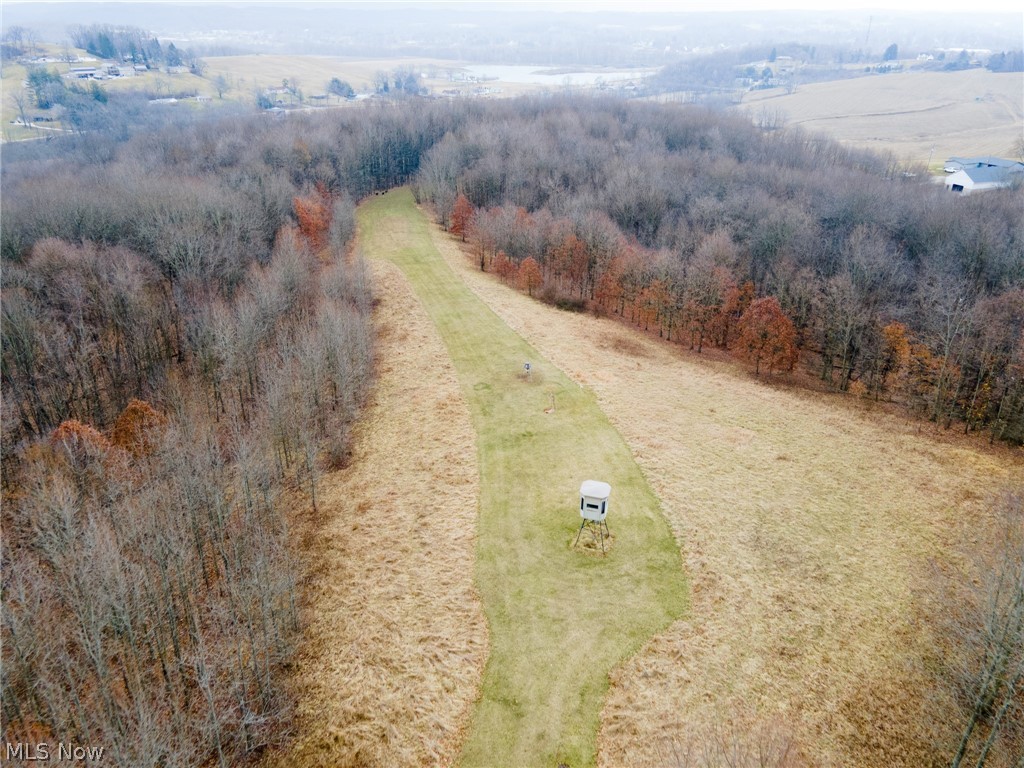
<point x="915" y="115"/>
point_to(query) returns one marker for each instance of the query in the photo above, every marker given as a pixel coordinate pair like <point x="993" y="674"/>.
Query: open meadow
<point x="810" y="531"/>
<point x="556" y="617"/>
<point x="915" y="115"/>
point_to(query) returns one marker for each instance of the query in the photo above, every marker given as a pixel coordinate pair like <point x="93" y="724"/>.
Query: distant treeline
<point x="680" y="218"/>
<point x="720" y="75"/>
<point x="1006" y="61"/>
<point x="130" y="44"/>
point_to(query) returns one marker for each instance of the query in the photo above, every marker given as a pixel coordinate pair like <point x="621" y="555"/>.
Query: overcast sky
<point x="663" y="6"/>
<point x="675" y="6"/>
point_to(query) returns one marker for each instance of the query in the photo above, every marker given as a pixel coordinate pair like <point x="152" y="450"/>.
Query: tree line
<point x="131" y="44"/>
<point x="680" y="219"/>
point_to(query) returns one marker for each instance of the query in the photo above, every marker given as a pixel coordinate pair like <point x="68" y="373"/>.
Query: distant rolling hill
<point x="972" y="112"/>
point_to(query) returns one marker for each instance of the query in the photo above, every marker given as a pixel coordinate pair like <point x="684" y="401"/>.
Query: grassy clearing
<point x="560" y="619"/>
<point x="810" y="527"/>
<point x="912" y="114"/>
<point x="396" y="642"/>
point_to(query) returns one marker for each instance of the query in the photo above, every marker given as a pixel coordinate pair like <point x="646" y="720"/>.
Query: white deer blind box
<point x="594" y="509"/>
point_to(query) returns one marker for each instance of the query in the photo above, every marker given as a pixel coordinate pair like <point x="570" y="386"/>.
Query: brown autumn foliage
<point x="313" y="212"/>
<point x="845" y="242"/>
<point x="767" y="336"/>
<point x="138" y="428"/>
<point x="529" y="276"/>
<point x="74" y="435"/>
<point x="150" y="592"/>
<point x="504" y="267"/>
<point x="461" y="215"/>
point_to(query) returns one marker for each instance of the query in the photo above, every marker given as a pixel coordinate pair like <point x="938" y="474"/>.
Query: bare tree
<point x="736" y="742"/>
<point x="20" y="98"/>
<point x="985" y="662"/>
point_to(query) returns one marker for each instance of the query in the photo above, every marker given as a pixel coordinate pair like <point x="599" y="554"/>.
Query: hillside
<point x="811" y="531"/>
<point x="918" y="116"/>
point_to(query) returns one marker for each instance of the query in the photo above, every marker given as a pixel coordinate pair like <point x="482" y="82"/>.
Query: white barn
<point x="968" y="175"/>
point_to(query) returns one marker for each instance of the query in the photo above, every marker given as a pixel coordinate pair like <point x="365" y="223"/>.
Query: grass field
<point x="810" y="527"/>
<point x="312" y="73"/>
<point x="915" y="115"/>
<point x="560" y="618"/>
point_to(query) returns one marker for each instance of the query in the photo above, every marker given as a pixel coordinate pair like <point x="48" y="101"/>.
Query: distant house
<point x="978" y="174"/>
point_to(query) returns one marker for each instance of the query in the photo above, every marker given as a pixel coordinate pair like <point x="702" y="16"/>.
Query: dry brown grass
<point x="396" y="642"/>
<point x="974" y="112"/>
<point x="808" y="527"/>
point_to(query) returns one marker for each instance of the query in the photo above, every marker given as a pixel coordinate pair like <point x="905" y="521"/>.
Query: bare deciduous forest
<point x="186" y="343"/>
<point x="679" y="220"/>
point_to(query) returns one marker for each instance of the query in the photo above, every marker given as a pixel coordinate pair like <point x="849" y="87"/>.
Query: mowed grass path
<point x="560" y="618"/>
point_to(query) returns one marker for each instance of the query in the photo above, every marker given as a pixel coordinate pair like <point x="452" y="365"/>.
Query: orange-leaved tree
<point x="738" y="299"/>
<point x="84" y="449"/>
<point x="530" y="277"/>
<point x="313" y="213"/>
<point x="895" y="356"/>
<point x="73" y="434"/>
<point x="609" y="286"/>
<point x="138" y="427"/>
<point x="504" y="267"/>
<point x="767" y="335"/>
<point x="570" y="263"/>
<point x="462" y="214"/>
